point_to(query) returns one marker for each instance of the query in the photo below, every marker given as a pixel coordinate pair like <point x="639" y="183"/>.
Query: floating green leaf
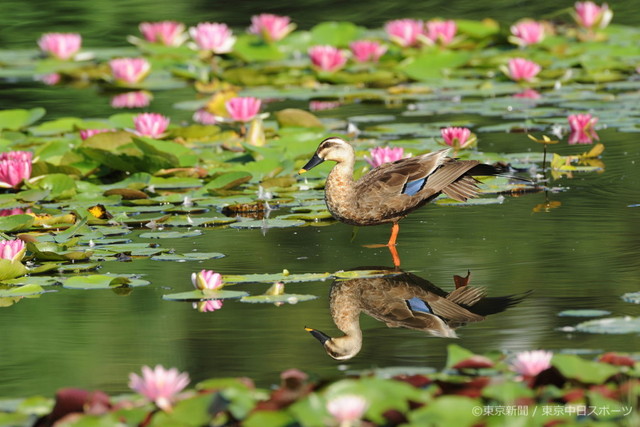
<point x="170" y="234"/>
<point x="102" y="281"/>
<point x="21" y="291"/>
<point x="575" y="367"/>
<point x="611" y="325"/>
<point x="276" y="277"/>
<point x="190" y="256"/>
<point x="13" y="223"/>
<point x="19" y="119"/>
<point x="583" y="313"/>
<point x="283" y="298"/>
<point x="632" y="297"/>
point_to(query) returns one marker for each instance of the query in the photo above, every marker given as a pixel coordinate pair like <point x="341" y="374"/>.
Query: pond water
<point x="582" y="254"/>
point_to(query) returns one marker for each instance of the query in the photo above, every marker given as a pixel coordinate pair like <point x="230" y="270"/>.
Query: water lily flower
<point x="60" y="45"/>
<point x="527" y="32"/>
<point x="87" y="133"/>
<point x="159" y="385"/>
<point x="204" y="117"/>
<point x="367" y="50"/>
<point x="441" y="32"/>
<point x="271" y="27"/>
<point x="531" y="363"/>
<point x="206" y="279"/>
<point x="243" y="109"/>
<point x="380" y="155"/>
<point x="347" y="408"/>
<point x="404" y="32"/>
<point x="135" y="99"/>
<point x="208" y="305"/>
<point x="589" y="15"/>
<point x="12" y="250"/>
<point x="129" y="70"/>
<point x="327" y="58"/>
<point x="582" y="128"/>
<point x="15" y="166"/>
<point x="212" y="36"/>
<point x="520" y="69"/>
<point x="168" y="33"/>
<point x="457" y="137"/>
<point x="14" y="211"/>
<point x="151" y="124"/>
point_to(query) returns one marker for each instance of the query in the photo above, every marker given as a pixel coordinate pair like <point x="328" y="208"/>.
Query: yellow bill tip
<point x="309" y="329"/>
<point x="301" y="171"/>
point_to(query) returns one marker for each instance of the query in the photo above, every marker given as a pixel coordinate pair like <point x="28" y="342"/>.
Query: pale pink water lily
<point x="206" y="279"/>
<point x="12" y="250"/>
<point x="327" y="58"/>
<point x="60" y="45"/>
<point x="168" y="33"/>
<point x="15" y="166"/>
<point x="212" y="36"/>
<point x="441" y="32"/>
<point x="527" y="32"/>
<point x="404" y="32"/>
<point x="271" y="27"/>
<point x="135" y="99"/>
<point x="243" y="109"/>
<point x="531" y="363"/>
<point x="159" y="385"/>
<point x="381" y="155"/>
<point x="589" y="15"/>
<point x="208" y="305"/>
<point x="582" y="128"/>
<point x="204" y="117"/>
<point x="14" y="211"/>
<point x="87" y="133"/>
<point x="152" y="125"/>
<point x="457" y="137"/>
<point x="129" y="70"/>
<point x="347" y="408"/>
<point x="520" y="69"/>
<point x="367" y="50"/>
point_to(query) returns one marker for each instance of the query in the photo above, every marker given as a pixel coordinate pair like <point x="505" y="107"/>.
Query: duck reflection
<point x="404" y="300"/>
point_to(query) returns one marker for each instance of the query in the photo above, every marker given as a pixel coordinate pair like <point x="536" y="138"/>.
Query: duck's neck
<point x="339" y="189"/>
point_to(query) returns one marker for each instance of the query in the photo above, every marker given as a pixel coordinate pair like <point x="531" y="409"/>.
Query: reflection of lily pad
<point x="283" y="298"/>
<point x="583" y="313"/>
<point x="190" y="256"/>
<point x="197" y="295"/>
<point x="611" y="325"/>
<point x="102" y="281"/>
<point x="632" y="297"/>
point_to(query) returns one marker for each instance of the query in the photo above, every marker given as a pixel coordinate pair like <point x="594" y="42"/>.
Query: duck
<point x="389" y="192"/>
<point x="404" y="300"/>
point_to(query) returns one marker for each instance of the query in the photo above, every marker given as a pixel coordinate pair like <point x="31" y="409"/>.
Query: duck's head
<point x="334" y="149"/>
<point x="340" y="348"/>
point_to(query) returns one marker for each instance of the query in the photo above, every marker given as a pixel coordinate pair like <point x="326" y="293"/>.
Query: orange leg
<point x="395" y="256"/>
<point x="394" y="234"/>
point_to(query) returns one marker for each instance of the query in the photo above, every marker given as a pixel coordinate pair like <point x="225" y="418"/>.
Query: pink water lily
<point x="441" y="32"/>
<point x="15" y="167"/>
<point x="527" y="32"/>
<point x="243" y="109"/>
<point x="12" y="250"/>
<point x="347" y="408"/>
<point x="207" y="305"/>
<point x="135" y="99"/>
<point x="206" y="279"/>
<point x="159" y="385"/>
<point x="589" y="15"/>
<point x="404" y="32"/>
<point x="152" y="125"/>
<point x="168" y="33"/>
<point x="531" y="363"/>
<point x="129" y="70"/>
<point x="60" y="45"/>
<point x="271" y="27"/>
<point x="381" y="155"/>
<point x="87" y="133"/>
<point x="520" y="69"/>
<point x="367" y="50"/>
<point x="212" y="36"/>
<point x="327" y="58"/>
<point x="457" y="137"/>
<point x="582" y="128"/>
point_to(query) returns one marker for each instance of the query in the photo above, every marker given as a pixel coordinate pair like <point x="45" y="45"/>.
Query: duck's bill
<point x="320" y="336"/>
<point x="315" y="161"/>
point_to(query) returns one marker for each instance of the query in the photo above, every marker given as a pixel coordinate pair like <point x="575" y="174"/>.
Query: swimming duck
<point x="388" y="193"/>
<point x="403" y="300"/>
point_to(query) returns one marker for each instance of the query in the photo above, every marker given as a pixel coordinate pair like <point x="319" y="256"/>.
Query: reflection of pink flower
<point x="367" y="50"/>
<point x="13" y="250"/>
<point x="129" y="70"/>
<point x="159" y="385"/>
<point x="204" y="117"/>
<point x="87" y="133"/>
<point x="208" y="305"/>
<point x="51" y="79"/>
<point x="380" y="155"/>
<point x="528" y="93"/>
<point x="168" y="33"/>
<point x="456" y="137"/>
<point x="151" y="124"/>
<point x="522" y="69"/>
<point x="531" y="363"/>
<point x="271" y="27"/>
<point x="582" y="128"/>
<point x="15" y="166"/>
<point x="327" y="58"/>
<point x="60" y="45"/>
<point x="214" y="37"/>
<point x="441" y="32"/>
<point x="527" y="32"/>
<point x="136" y="99"/>
<point x="347" y="408"/>
<point x="589" y="15"/>
<point x="206" y="279"/>
<point x="243" y="109"/>
<point x="404" y="32"/>
<point x="323" y="105"/>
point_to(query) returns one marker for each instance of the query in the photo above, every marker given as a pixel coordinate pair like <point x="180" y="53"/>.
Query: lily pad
<point x="268" y="223"/>
<point x="191" y="256"/>
<point x="276" y="277"/>
<point x="583" y="313"/>
<point x="283" y="298"/>
<point x="198" y="295"/>
<point x="102" y="281"/>
<point x="611" y="325"/>
<point x="170" y="234"/>
<point x="632" y="297"/>
<point x="21" y="291"/>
